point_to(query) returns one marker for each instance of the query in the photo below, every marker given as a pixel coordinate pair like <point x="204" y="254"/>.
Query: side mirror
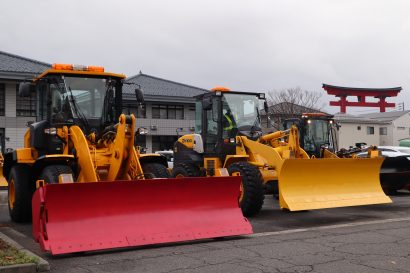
<point x="266" y="107"/>
<point x="139" y="95"/>
<point x="141" y="131"/>
<point x="25" y="89"/>
<point x="207" y="103"/>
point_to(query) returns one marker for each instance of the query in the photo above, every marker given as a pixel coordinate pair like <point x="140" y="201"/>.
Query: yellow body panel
<point x="24" y="155"/>
<point x="187" y="141"/>
<point x="306" y="184"/>
<point x="212" y="163"/>
<point x="3" y="181"/>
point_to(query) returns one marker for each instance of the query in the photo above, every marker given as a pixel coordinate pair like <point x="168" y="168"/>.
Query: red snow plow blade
<point x="80" y="217"/>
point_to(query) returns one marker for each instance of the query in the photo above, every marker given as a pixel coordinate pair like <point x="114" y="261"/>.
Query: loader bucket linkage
<point x="78" y="217"/>
<point x="306" y="184"/>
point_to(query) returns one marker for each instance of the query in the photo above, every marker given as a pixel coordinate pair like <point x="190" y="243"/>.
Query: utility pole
<point x="400" y="106"/>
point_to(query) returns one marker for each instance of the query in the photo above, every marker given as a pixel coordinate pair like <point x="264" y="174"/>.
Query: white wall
<point x="387" y="140"/>
<point x="349" y="134"/>
<point x="10" y="94"/>
<point x="400" y="129"/>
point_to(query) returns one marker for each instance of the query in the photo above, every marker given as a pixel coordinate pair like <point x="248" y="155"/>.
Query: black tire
<point x="155" y="170"/>
<point x="252" y="182"/>
<point x="50" y="173"/>
<point x="20" y="193"/>
<point x="185" y="170"/>
<point x="391" y="187"/>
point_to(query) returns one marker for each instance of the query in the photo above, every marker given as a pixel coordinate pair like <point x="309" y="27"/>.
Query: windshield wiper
<point x="105" y="114"/>
<point x="80" y="115"/>
<point x="257" y="120"/>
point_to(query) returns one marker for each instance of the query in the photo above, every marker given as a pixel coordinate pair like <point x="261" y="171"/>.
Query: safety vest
<point x="231" y="126"/>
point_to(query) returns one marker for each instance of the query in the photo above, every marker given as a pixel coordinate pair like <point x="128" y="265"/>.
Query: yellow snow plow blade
<point x="306" y="184"/>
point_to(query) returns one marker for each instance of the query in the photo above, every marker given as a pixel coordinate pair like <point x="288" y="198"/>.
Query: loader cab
<point x="69" y="95"/>
<point x="221" y="115"/>
<point x="316" y="132"/>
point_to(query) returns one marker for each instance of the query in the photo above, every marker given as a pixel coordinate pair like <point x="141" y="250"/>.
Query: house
<point x="168" y="112"/>
<point x="15" y="111"/>
<point x="353" y="130"/>
<point x="398" y="127"/>
<point x="384" y="129"/>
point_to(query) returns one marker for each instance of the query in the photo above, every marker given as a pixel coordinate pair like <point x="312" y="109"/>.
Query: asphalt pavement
<point x="372" y="238"/>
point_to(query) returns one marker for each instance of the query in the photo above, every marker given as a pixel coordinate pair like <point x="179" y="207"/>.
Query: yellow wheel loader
<point x="229" y="141"/>
<point x="83" y="183"/>
<point x="318" y="138"/>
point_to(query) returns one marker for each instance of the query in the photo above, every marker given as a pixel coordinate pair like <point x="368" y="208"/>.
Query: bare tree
<point x="291" y="100"/>
<point x="291" y="103"/>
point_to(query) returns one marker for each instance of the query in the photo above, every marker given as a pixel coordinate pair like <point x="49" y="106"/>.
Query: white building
<point x="384" y="129"/>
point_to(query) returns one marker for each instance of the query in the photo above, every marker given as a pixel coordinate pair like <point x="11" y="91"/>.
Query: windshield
<point x="317" y="134"/>
<point x="78" y="97"/>
<point x="243" y="110"/>
<point x="88" y="93"/>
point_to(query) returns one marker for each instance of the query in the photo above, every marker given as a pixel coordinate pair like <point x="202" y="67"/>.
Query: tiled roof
<point x="325" y="86"/>
<point x="388" y="116"/>
<point x="154" y="86"/>
<point x="14" y="63"/>
<point x="346" y="118"/>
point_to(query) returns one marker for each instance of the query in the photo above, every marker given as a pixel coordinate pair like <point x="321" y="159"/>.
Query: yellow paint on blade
<point x="307" y="184"/>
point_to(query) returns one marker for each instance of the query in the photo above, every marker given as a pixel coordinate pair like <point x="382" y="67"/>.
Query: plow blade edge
<point x="306" y="184"/>
<point x="80" y="217"/>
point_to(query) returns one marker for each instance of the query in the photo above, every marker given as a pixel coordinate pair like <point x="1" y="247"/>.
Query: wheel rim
<point x="241" y="191"/>
<point x="12" y="194"/>
<point x="179" y="175"/>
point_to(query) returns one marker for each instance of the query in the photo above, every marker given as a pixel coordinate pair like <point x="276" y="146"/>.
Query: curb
<point x="18" y="268"/>
<point x="42" y="266"/>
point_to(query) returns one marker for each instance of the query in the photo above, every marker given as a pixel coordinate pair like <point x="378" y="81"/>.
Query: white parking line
<point x="393" y="220"/>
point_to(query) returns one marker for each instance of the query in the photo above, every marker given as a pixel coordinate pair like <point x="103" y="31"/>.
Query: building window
<point x="383" y="131"/>
<point x="167" y="111"/>
<point x="359" y="128"/>
<point x="140" y="140"/>
<point x="139" y="111"/>
<point x="162" y="143"/>
<point x="2" y="98"/>
<point x="2" y="139"/>
<point x="25" y="106"/>
<point x="370" y="130"/>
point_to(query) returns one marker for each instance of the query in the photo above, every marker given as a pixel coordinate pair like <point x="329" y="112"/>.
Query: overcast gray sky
<point x="248" y="45"/>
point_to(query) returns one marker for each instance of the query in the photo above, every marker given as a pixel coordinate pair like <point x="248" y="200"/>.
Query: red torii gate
<point x="361" y="94"/>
